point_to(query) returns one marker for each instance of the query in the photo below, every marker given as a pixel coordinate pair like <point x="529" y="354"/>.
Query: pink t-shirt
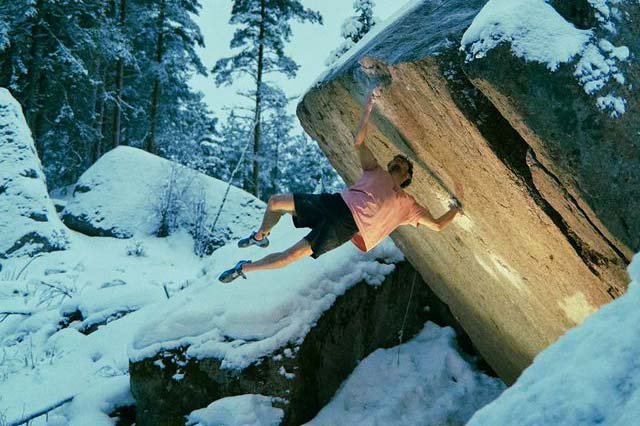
<point x="378" y="207"/>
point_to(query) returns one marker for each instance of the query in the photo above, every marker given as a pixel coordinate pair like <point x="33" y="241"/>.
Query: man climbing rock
<point x="365" y="213"/>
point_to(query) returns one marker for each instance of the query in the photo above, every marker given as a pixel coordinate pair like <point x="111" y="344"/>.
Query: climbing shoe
<point x="251" y="241"/>
<point x="233" y="273"/>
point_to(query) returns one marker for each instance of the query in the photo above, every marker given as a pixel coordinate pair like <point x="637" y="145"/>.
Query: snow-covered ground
<point x="70" y="321"/>
<point x="40" y="363"/>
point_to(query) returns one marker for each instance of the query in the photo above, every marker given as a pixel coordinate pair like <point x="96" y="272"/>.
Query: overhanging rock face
<point x="530" y="258"/>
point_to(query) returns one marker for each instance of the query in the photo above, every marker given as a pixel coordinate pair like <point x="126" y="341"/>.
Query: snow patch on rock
<point x="94" y="406"/>
<point x="537" y="33"/>
<point x="422" y="382"/>
<point x="242" y="410"/>
<point x="240" y="323"/>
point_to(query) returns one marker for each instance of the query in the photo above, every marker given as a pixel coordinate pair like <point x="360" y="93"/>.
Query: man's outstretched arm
<point x="440" y="223"/>
<point x="367" y="160"/>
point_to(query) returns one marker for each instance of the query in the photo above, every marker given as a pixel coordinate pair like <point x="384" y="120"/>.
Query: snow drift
<point x="242" y="410"/>
<point x="422" y="382"/>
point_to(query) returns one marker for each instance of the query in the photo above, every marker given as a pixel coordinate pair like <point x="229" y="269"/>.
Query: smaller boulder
<point x="130" y="192"/>
<point x="29" y="223"/>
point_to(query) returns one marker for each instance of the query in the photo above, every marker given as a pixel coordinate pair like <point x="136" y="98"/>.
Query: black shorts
<point x="329" y="217"/>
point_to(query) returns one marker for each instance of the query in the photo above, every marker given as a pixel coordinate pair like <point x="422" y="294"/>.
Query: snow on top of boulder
<point x="372" y="34"/>
<point x="606" y="11"/>
<point x="422" y="382"/>
<point x="417" y="29"/>
<point x="240" y="322"/>
<point x="536" y="32"/>
<point x="534" y="29"/>
<point x="28" y="220"/>
<point x="241" y="410"/>
<point x="127" y="191"/>
<point x="590" y="376"/>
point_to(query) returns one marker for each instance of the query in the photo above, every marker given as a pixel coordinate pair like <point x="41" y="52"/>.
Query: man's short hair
<point x="407" y="181"/>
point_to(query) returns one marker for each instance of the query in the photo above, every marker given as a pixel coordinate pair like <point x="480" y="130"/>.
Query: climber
<point x="365" y="213"/>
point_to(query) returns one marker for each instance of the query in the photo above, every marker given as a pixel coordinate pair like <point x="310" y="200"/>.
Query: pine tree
<point x="354" y="28"/>
<point x="119" y="78"/>
<point x="4" y="33"/>
<point x="306" y="169"/>
<point x="187" y="127"/>
<point x="85" y="73"/>
<point x="222" y="153"/>
<point x="290" y="163"/>
<point x="172" y="39"/>
<point x="55" y="38"/>
<point x="264" y="27"/>
<point x="279" y="126"/>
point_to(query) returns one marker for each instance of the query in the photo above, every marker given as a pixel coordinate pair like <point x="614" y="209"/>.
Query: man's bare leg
<point x="277" y="206"/>
<point x="277" y="260"/>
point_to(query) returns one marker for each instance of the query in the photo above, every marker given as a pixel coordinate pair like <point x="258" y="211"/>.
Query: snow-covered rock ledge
<point x="29" y="223"/>
<point x="293" y="335"/>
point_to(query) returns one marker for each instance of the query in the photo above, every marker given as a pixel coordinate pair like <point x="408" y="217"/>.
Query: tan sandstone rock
<point x="526" y="262"/>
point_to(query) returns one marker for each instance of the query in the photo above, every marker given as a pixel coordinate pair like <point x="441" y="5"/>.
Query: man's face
<point x="398" y="166"/>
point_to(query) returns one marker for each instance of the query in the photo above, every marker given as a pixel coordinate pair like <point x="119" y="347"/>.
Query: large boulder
<point x="530" y="258"/>
<point x="130" y="192"/>
<point x="28" y="221"/>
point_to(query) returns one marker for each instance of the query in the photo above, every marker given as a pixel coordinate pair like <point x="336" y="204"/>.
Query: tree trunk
<point x="37" y="124"/>
<point x="256" y="129"/>
<point x="117" y="112"/>
<point x="95" y="94"/>
<point x="103" y="123"/>
<point x="32" y="95"/>
<point x="96" y="149"/>
<point x="6" y="71"/>
<point x="274" y="175"/>
<point x="150" y="143"/>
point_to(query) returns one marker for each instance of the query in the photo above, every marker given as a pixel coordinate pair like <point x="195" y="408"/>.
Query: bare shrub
<point x="136" y="249"/>
<point x="172" y="197"/>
